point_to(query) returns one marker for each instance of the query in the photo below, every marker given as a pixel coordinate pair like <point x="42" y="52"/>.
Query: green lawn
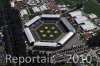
<point x="47" y="30"/>
<point x="98" y="32"/>
<point x="89" y="7"/>
<point x="58" y="1"/>
<point x="72" y="3"/>
<point x="30" y="10"/>
<point x="98" y="64"/>
<point x="69" y="2"/>
<point x="31" y="16"/>
<point x="92" y="7"/>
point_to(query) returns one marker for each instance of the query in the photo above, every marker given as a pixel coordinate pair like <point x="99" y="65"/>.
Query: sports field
<point x="48" y="32"/>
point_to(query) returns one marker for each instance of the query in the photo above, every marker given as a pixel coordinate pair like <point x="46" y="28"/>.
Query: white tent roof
<point x="80" y="19"/>
<point x="29" y="35"/>
<point x="66" y="37"/>
<point x="45" y="44"/>
<point x="75" y="13"/>
<point x="92" y="16"/>
<point x="23" y="12"/>
<point x="19" y="0"/>
<point x="32" y="21"/>
<point x="43" y="7"/>
<point x="51" y="15"/>
<point x="88" y="26"/>
<point x="12" y="4"/>
<point x="63" y="7"/>
<point x="36" y="9"/>
<point x="59" y="6"/>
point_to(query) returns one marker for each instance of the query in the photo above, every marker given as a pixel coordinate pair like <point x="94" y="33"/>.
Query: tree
<point x="79" y="5"/>
<point x="98" y="1"/>
<point x="94" y="41"/>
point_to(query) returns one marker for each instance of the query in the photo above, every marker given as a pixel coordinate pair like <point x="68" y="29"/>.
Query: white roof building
<point x="88" y="26"/>
<point x="62" y="41"/>
<point x="19" y="0"/>
<point x="75" y="13"/>
<point x="51" y="15"/>
<point x="29" y="35"/>
<point x="43" y="7"/>
<point x="32" y="21"/>
<point x="66" y="37"/>
<point x="63" y="7"/>
<point x="49" y="44"/>
<point x="31" y="2"/>
<point x="80" y="18"/>
<point x="12" y="4"/>
<point x="92" y="16"/>
<point x="23" y="12"/>
<point x="36" y="9"/>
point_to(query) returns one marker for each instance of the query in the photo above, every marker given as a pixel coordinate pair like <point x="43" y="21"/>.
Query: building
<point x="23" y="12"/>
<point x="36" y="9"/>
<point x="19" y="0"/>
<point x="87" y="26"/>
<point x="29" y="35"/>
<point x="82" y="20"/>
<point x="43" y="8"/>
<point x="48" y="18"/>
<point x="31" y="2"/>
<point x="63" y="7"/>
<point x="12" y="4"/>
<point x="92" y="16"/>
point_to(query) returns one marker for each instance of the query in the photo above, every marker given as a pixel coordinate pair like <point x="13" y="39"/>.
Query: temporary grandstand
<point x="23" y="12"/>
<point x="50" y="27"/>
<point x="50" y="44"/>
<point x="29" y="35"/>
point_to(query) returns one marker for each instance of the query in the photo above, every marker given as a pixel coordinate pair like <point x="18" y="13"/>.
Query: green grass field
<point x="92" y="7"/>
<point x="89" y="7"/>
<point x="31" y="16"/>
<point x="48" y="32"/>
<point x="30" y="10"/>
<point x="72" y="3"/>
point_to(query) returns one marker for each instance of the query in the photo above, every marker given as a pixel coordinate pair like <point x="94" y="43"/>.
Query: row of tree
<point x="13" y="32"/>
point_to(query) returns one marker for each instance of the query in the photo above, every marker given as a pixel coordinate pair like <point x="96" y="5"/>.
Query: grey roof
<point x="67" y="23"/>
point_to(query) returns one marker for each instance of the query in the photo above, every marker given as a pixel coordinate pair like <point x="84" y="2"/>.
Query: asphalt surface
<point x="74" y="41"/>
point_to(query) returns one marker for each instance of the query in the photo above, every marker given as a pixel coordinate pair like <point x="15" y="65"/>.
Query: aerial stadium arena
<point x="48" y="30"/>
